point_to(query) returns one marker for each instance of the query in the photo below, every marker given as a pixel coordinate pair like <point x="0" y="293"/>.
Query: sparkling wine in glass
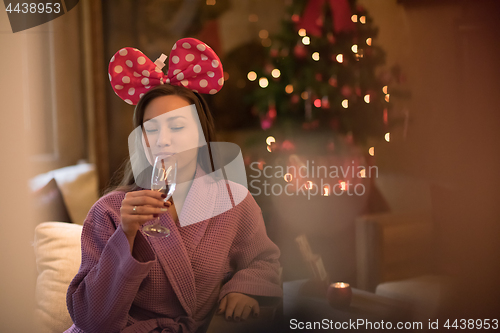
<point x="163" y="179"/>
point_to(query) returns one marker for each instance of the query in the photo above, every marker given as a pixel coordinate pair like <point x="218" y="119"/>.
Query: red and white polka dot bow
<point x="192" y="64"/>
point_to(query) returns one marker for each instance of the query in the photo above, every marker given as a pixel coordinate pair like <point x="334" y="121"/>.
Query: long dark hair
<point x="127" y="183"/>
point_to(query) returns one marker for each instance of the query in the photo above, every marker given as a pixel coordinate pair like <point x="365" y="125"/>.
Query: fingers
<point x="246" y="311"/>
<point x="238" y="309"/>
<point x="144" y="200"/>
<point x="255" y="309"/>
<point x="231" y="304"/>
<point x="222" y="305"/>
<point x="148" y="193"/>
<point x="239" y="306"/>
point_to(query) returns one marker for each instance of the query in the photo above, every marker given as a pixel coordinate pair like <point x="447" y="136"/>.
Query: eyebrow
<point x="168" y="119"/>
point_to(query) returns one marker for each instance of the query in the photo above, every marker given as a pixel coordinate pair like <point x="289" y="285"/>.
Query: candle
<point x="339" y="295"/>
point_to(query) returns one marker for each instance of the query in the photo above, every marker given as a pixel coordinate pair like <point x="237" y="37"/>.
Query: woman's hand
<point x="148" y="205"/>
<point x="238" y="306"/>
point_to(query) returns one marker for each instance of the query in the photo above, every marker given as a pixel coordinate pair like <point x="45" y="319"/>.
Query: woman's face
<point x="171" y="126"/>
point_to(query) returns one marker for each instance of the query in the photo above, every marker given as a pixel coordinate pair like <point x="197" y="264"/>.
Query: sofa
<point x="67" y="194"/>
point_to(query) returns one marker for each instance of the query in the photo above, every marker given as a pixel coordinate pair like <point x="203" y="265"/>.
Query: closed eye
<point x="176" y="128"/>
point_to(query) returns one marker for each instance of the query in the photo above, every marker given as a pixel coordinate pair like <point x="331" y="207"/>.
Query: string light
<point x="340" y="58"/>
<point x="345" y="103"/>
<point x="367" y="98"/>
<point x="266" y="42"/>
<point x="306" y="40"/>
<point x="270" y="139"/>
<point x="253" y="18"/>
<point x="317" y="103"/>
<point x="276" y="73"/>
<point x="369" y="41"/>
<point x="326" y="190"/>
<point x="384" y="89"/>
<point x="362" y="173"/>
<point x="343" y="186"/>
<point x="387" y="136"/>
<point x="289" y="89"/>
<point x="387" y="98"/>
<point x="315" y="56"/>
<point x="288" y="177"/>
<point x="309" y="185"/>
<point x="371" y="151"/>
<point x="304" y="95"/>
<point x="263" y="34"/>
<point x="354" y="48"/>
<point x="302" y="32"/>
<point x="354" y="18"/>
<point x="252" y="76"/>
<point x="263" y="82"/>
<point x="362" y="19"/>
<point x="210" y="2"/>
<point x="269" y="149"/>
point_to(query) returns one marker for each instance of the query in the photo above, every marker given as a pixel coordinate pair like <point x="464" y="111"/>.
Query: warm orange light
<point x="345" y="103"/>
<point x="354" y="18"/>
<point x="270" y="139"/>
<point x="371" y="151"/>
<point x="210" y="2"/>
<point x="340" y="58"/>
<point x="306" y="40"/>
<point x="253" y="18"/>
<point x="288" y="177"/>
<point x="252" y="76"/>
<point x="387" y="98"/>
<point x="315" y="56"/>
<point x="263" y="82"/>
<point x="362" y="19"/>
<point x="387" y="136"/>
<point x="276" y="73"/>
<point x="326" y="190"/>
<point x="362" y="173"/>
<point x="343" y="185"/>
<point x="302" y="32"/>
<point x="369" y="41"/>
<point x="304" y="95"/>
<point x="354" y="48"/>
<point x="263" y="34"/>
<point x="340" y="285"/>
<point x="289" y="89"/>
<point x="309" y="185"/>
<point x="367" y="98"/>
<point x="384" y="89"/>
<point x="269" y="149"/>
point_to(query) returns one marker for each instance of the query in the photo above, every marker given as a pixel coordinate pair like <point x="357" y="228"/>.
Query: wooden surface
<point x="364" y="305"/>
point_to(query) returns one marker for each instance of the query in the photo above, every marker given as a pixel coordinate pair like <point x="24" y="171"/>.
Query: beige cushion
<point x="78" y="185"/>
<point x="58" y="257"/>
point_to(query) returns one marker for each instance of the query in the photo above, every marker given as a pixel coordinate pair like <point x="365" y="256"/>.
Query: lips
<point x="164" y="155"/>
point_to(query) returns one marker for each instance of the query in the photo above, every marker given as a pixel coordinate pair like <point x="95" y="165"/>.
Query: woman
<point x="223" y="261"/>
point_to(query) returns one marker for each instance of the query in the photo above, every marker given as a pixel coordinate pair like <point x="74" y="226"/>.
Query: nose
<point x="164" y="138"/>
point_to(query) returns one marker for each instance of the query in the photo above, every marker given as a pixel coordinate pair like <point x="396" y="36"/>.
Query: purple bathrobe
<point x="170" y="284"/>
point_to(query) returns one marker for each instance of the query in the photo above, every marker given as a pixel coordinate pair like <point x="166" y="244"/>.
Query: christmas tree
<point x="320" y="75"/>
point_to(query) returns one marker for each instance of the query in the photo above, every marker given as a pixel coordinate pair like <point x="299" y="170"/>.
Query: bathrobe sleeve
<point x="101" y="294"/>
<point x="253" y="256"/>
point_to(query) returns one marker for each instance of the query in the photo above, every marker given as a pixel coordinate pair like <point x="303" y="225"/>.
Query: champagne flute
<point x="163" y="178"/>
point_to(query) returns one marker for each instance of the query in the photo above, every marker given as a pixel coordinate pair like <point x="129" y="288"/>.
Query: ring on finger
<point x="134" y="210"/>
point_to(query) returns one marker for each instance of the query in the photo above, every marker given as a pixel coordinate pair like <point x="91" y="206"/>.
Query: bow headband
<point x="192" y="64"/>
